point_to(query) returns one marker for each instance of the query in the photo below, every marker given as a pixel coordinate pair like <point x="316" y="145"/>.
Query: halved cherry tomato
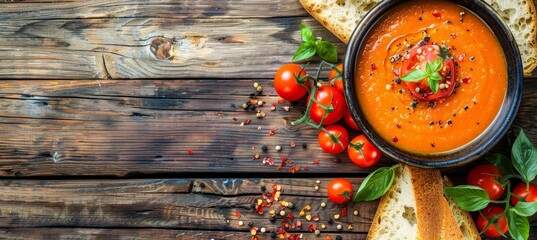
<point x="336" y="143"/>
<point x="362" y="152"/>
<point x="328" y="96"/>
<point x="419" y="56"/>
<point x="339" y="190"/>
<point x="286" y="83"/>
<point x="350" y="121"/>
<point x="490" y="214"/>
<point x="486" y="176"/>
<point x="337" y="79"/>
<point x="528" y="195"/>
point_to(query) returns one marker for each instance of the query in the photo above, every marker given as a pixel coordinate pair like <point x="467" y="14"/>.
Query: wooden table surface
<point x="101" y="101"/>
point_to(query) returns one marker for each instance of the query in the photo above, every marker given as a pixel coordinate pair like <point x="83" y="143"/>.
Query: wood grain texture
<point x="161" y="234"/>
<point x="198" y="204"/>
<point x="114" y="127"/>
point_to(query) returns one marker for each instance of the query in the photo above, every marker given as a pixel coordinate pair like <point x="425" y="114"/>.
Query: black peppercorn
<point x="264" y="148"/>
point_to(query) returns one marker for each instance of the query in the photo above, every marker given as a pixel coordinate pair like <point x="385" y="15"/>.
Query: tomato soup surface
<point x="431" y="126"/>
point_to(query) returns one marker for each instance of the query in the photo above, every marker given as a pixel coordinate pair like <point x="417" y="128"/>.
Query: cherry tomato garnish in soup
<point x="418" y="58"/>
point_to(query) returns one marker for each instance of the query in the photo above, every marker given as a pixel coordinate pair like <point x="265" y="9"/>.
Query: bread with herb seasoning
<point x="342" y="16"/>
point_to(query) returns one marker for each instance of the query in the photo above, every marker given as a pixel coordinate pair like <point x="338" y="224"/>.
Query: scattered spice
<point x="272" y="132"/>
<point x="189" y="151"/>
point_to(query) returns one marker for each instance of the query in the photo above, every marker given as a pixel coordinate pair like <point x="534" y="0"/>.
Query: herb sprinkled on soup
<point x="439" y="80"/>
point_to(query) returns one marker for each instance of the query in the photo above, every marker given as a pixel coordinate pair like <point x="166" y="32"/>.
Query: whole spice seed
<point x="339" y="227"/>
<point x="323" y="204"/>
<point x="317" y="232"/>
<point x="339" y="237"/>
<point x="355" y="212"/>
<point x="337" y="216"/>
<point x="241" y="223"/>
<point x="264" y="148"/>
<point x="278" y="148"/>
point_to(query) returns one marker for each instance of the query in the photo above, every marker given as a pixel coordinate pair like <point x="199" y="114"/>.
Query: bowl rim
<point x="500" y="124"/>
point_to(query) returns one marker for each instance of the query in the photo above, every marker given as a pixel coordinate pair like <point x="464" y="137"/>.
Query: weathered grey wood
<point x="150" y="47"/>
<point x="31" y="9"/>
<point x="147" y="127"/>
<point x="166" y="203"/>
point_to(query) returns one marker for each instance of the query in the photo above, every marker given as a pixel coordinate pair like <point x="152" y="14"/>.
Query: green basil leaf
<point x="429" y="68"/>
<point x="524" y="157"/>
<point x="519" y="227"/>
<point x="436" y="66"/>
<point x="433" y="84"/>
<point x="435" y="76"/>
<point x="414" y="76"/>
<point x="306" y="33"/>
<point x="525" y="209"/>
<point x="501" y="162"/>
<point x="375" y="184"/>
<point x="305" y="51"/>
<point x="469" y="198"/>
<point x="326" y="51"/>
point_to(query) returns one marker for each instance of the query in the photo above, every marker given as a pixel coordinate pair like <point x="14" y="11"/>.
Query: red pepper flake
<point x="328" y="237"/>
<point x="268" y="161"/>
<point x="344" y="212"/>
<point x="466" y="80"/>
<point x="290" y="216"/>
<point x="273" y="107"/>
<point x="293" y="144"/>
<point x="292" y="170"/>
<point x="298" y="224"/>
<point x="294" y="237"/>
<point x="286" y="108"/>
<point x="315" y="218"/>
<point x="315" y="162"/>
<point x="281" y="101"/>
<point x="272" y="132"/>
<point x="245" y="122"/>
<point x="255" y="238"/>
<point x="395" y="139"/>
<point x="238" y="214"/>
<point x="280" y="230"/>
<point x="312" y="227"/>
<point x="235" y="119"/>
<point x="259" y="209"/>
<point x="189" y="151"/>
<point x="306" y="168"/>
<point x="396" y="72"/>
<point x="437" y="15"/>
<point x="373" y="67"/>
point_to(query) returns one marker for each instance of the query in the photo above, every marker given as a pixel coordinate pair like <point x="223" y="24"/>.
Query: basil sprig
<point x="522" y="165"/>
<point x="375" y="184"/>
<point x="430" y="72"/>
<point x="524" y="157"/>
<point x="469" y="198"/>
<point x="312" y="45"/>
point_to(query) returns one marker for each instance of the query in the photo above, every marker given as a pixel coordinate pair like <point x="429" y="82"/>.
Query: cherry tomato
<point x="350" y="121"/>
<point x="286" y="83"/>
<point x="337" y="79"/>
<point x="339" y="190"/>
<point x="362" y="152"/>
<point x="328" y="96"/>
<point x="490" y="212"/>
<point x="528" y="195"/>
<point x="419" y="56"/>
<point x="334" y="144"/>
<point x="486" y="176"/>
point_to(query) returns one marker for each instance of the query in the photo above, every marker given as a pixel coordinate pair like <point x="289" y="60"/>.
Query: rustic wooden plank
<point x="193" y="205"/>
<point x="164" y="203"/>
<point x="150" y="47"/>
<point x="161" y="234"/>
<point x="31" y="9"/>
<point x="123" y="128"/>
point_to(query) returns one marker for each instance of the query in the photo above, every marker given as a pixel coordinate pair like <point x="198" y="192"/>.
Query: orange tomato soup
<point x="431" y="127"/>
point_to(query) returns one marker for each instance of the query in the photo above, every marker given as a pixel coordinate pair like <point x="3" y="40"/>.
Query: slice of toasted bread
<point x="409" y="210"/>
<point x="341" y="17"/>
<point x="463" y="218"/>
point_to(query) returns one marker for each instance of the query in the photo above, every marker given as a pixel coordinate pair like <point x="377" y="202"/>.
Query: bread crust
<point x="428" y="192"/>
<point x="466" y="220"/>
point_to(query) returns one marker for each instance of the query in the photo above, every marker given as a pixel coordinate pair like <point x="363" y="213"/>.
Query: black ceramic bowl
<point x="485" y="141"/>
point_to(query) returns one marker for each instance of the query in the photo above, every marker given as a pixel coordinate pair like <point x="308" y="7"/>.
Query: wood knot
<point x="161" y="47"/>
